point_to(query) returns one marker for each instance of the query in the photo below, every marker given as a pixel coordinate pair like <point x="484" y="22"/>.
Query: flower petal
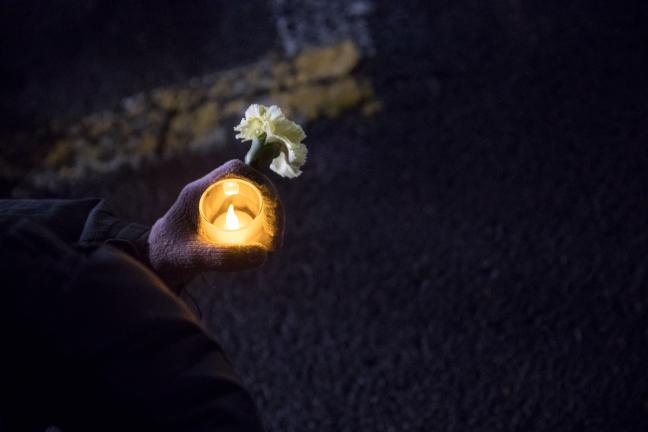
<point x="274" y="113"/>
<point x="253" y="111"/>
<point x="287" y="130"/>
<point x="298" y="156"/>
<point x="281" y="166"/>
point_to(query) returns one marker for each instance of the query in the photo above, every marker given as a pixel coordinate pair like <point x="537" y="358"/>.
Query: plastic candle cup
<point x="231" y="212"/>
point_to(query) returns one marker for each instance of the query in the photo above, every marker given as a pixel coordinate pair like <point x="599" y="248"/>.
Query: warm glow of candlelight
<point x="232" y="212"/>
<point x="230" y="188"/>
<point x="231" y="220"/>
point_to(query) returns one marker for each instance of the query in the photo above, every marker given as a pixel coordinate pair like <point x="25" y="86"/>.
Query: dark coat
<point x="93" y="340"/>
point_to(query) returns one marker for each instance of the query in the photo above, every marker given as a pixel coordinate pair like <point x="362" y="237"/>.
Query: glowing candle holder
<point x="231" y="213"/>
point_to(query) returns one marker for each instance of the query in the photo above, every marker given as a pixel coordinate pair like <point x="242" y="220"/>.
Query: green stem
<point x="261" y="152"/>
<point x="253" y="154"/>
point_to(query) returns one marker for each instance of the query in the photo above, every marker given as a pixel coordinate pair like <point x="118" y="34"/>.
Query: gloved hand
<point x="177" y="252"/>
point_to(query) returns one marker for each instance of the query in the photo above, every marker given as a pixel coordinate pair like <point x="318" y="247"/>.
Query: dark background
<point x="473" y="257"/>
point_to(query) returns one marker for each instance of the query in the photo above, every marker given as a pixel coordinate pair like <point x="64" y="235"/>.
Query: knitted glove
<point x="177" y="252"/>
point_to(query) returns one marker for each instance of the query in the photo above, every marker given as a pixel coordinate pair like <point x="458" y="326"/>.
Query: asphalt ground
<point x="472" y="257"/>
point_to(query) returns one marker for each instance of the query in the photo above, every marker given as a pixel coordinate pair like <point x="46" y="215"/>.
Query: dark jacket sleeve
<point x="84" y="221"/>
<point x="93" y="340"/>
<point x="103" y="226"/>
<point x="65" y="218"/>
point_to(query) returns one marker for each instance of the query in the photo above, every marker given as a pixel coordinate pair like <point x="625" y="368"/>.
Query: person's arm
<point x="84" y="221"/>
<point x="102" y="225"/>
<point x="64" y="217"/>
<point x="102" y="325"/>
<point x="98" y="342"/>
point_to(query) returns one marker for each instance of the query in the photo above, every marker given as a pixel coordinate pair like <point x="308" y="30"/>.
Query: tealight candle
<point x="231" y="212"/>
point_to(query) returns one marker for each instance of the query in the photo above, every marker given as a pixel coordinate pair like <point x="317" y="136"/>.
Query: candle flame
<point x="231" y="220"/>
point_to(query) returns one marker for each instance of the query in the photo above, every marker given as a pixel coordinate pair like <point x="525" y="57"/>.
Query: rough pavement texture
<point x="473" y="258"/>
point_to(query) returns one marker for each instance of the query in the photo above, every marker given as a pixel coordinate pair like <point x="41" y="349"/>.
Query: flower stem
<point x="255" y="149"/>
<point x="261" y="152"/>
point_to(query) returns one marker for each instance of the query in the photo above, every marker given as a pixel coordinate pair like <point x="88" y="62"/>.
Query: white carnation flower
<point x="271" y="121"/>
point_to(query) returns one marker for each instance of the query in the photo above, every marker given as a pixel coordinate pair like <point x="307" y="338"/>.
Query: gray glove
<point x="177" y="252"/>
